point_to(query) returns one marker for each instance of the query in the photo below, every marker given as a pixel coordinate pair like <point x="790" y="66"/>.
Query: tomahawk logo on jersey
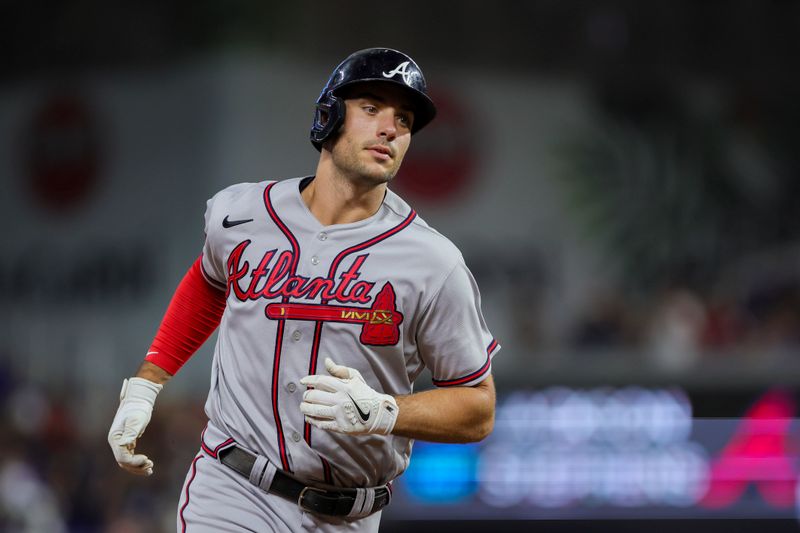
<point x="272" y="279"/>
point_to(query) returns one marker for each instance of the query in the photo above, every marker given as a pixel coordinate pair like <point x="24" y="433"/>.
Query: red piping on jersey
<point x="475" y="375"/>
<point x="326" y="468"/>
<point x="188" y="484"/>
<point x="492" y="346"/>
<point x="275" y="372"/>
<point x="213" y="453"/>
<point x="284" y="229"/>
<point x="281" y="324"/>
<point x="366" y="244"/>
<point x="312" y="366"/>
<point x="312" y="369"/>
<point x="221" y="286"/>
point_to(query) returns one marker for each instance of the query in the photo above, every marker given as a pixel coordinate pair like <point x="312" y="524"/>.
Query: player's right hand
<point x="333" y="401"/>
<point x="136" y="400"/>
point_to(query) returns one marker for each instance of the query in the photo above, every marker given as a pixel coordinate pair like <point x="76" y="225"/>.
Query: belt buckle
<point x="302" y="495"/>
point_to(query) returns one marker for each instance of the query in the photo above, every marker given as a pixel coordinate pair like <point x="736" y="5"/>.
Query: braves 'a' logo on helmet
<point x="402" y="69"/>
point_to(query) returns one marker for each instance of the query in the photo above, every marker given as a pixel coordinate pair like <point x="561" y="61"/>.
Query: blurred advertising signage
<point x="441" y="166"/>
<point x="63" y="155"/>
<point x="611" y="453"/>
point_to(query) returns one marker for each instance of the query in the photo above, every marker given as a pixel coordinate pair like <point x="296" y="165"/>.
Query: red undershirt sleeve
<point x="193" y="314"/>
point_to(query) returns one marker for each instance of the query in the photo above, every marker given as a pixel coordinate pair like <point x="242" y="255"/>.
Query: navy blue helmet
<point x="370" y="65"/>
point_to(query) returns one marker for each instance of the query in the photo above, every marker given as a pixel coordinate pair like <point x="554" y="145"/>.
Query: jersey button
<point x="296" y="335"/>
<point x="322" y="236"/>
<point x="296" y="436"/>
<point x="315" y="260"/>
<point x="291" y="387"/>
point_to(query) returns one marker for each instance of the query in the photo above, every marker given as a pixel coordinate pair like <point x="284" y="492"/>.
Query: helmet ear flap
<point x="328" y="118"/>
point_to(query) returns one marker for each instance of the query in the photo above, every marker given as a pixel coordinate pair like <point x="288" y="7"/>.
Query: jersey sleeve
<point x="453" y="339"/>
<point x="212" y="266"/>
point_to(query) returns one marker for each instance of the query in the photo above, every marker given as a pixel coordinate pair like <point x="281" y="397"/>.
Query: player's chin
<point x="378" y="175"/>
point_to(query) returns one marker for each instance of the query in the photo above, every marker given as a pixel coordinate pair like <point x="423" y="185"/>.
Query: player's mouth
<point x="380" y="151"/>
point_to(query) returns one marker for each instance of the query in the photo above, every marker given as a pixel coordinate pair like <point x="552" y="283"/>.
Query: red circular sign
<point x="62" y="153"/>
<point x="440" y="163"/>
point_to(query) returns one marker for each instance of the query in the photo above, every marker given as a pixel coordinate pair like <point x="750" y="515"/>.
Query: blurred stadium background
<point x="621" y="176"/>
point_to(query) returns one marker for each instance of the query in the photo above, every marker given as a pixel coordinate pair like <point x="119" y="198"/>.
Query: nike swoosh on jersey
<point x="364" y="416"/>
<point x="231" y="223"/>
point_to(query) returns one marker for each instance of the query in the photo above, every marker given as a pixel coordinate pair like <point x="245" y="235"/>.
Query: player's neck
<point x="336" y="199"/>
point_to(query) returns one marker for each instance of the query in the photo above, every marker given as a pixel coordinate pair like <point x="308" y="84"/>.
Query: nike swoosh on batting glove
<point x="137" y="397"/>
<point x="343" y="402"/>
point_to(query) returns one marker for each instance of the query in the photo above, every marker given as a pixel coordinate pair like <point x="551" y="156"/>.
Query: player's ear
<point x="331" y="140"/>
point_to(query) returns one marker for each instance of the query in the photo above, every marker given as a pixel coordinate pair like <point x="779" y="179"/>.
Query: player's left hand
<point x="343" y="402"/>
<point x="135" y="408"/>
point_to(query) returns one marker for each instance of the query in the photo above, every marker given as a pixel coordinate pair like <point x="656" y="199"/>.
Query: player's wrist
<point x="137" y="389"/>
<point x="152" y="372"/>
<point x="388" y="411"/>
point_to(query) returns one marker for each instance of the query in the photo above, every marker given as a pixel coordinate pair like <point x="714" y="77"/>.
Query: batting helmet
<point x="370" y="65"/>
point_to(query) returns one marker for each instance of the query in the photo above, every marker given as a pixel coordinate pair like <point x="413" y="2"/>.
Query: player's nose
<point x="386" y="124"/>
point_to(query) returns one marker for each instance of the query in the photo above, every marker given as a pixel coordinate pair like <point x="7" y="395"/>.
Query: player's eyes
<point x="371" y="109"/>
<point x="405" y="121"/>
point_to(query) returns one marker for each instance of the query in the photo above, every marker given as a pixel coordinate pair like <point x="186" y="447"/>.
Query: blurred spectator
<point x="775" y="307"/>
<point x="605" y="324"/>
<point x="725" y="324"/>
<point x="27" y="503"/>
<point x="57" y="476"/>
<point x="675" y="331"/>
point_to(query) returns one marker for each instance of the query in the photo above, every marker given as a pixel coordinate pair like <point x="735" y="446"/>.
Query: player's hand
<point x="136" y="401"/>
<point x="343" y="402"/>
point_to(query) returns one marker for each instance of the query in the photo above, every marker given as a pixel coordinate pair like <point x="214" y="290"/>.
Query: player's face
<point x="376" y="133"/>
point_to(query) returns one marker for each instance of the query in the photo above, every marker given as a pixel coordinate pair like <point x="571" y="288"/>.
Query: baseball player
<point x="331" y="295"/>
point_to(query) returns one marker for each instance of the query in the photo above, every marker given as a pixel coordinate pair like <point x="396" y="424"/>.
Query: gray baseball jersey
<point x="387" y="295"/>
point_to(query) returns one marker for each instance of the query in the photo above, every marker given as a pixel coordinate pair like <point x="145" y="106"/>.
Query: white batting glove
<point x="136" y="401"/>
<point x="343" y="402"/>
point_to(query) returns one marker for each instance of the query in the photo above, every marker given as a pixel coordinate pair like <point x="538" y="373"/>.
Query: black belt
<point x="321" y="501"/>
